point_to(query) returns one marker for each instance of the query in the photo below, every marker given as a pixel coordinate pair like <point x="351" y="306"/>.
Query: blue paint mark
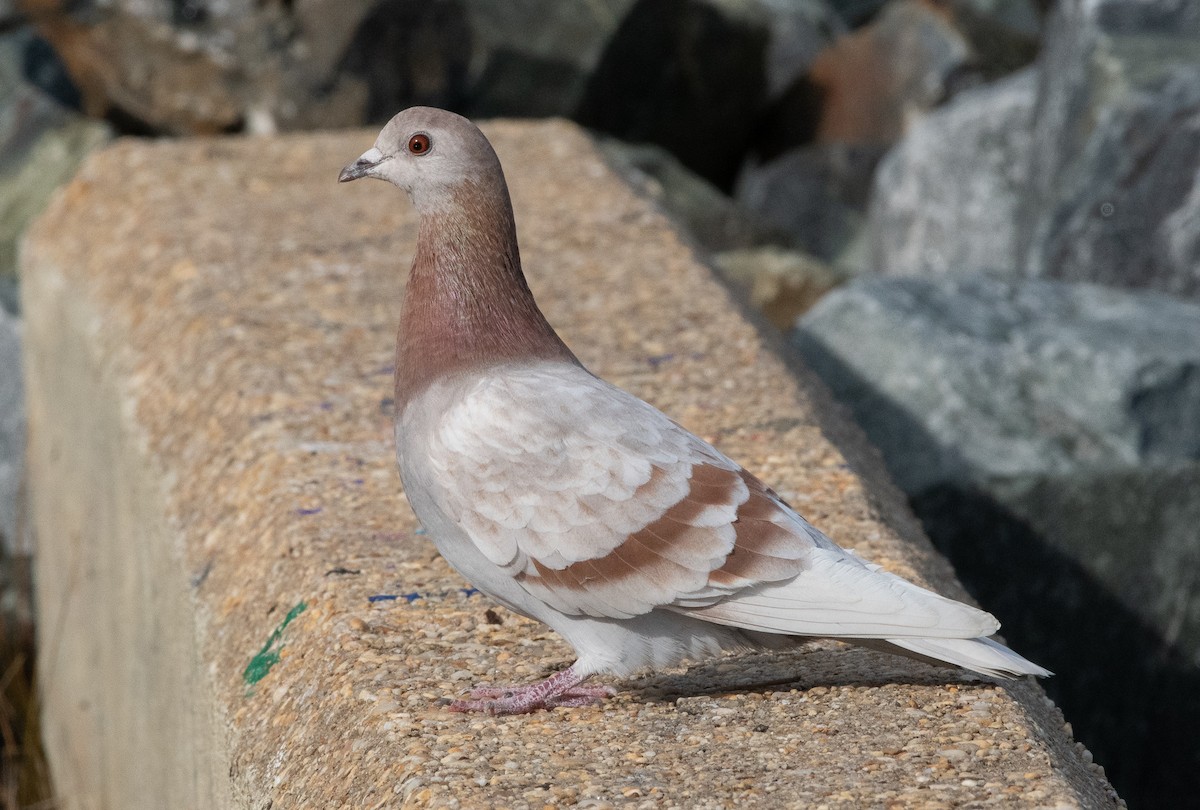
<point x="420" y="531"/>
<point x="658" y="359"/>
<point x="357" y="482"/>
<point x="388" y="369"/>
<point x="308" y="511"/>
<point x="409" y="598"/>
<point x="327" y="406"/>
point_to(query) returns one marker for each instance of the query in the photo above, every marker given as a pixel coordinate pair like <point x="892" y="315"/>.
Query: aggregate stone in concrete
<point x="238" y="607"/>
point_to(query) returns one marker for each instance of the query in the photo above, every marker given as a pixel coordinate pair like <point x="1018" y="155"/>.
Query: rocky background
<point x="978" y="220"/>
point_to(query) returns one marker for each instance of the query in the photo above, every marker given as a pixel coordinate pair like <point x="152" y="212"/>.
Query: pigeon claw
<point x="561" y="690"/>
<point x="518" y="700"/>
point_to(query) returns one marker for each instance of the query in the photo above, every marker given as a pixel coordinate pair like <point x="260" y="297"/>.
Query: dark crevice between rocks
<point x="411" y="54"/>
<point x="678" y="74"/>
<point x="1132" y="695"/>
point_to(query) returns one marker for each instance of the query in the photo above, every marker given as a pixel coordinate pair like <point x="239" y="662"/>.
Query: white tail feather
<point x="980" y="655"/>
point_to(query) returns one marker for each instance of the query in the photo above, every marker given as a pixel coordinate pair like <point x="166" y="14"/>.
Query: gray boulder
<point x="1124" y="203"/>
<point x="1016" y="379"/>
<point x="1087" y="169"/>
<point x="798" y="30"/>
<point x="1115" y="161"/>
<point x="946" y="198"/>
<point x="1048" y="434"/>
<point x="815" y="195"/>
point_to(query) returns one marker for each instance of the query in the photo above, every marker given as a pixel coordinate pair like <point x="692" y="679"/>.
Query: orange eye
<point x="419" y="144"/>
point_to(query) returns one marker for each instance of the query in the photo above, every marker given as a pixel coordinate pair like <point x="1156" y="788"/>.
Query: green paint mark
<point x="268" y="656"/>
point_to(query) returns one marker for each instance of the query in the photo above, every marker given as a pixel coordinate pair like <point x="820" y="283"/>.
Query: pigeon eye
<point x="419" y="144"/>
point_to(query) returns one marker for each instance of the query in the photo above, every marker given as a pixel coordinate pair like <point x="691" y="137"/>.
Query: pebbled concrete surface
<point x="234" y="589"/>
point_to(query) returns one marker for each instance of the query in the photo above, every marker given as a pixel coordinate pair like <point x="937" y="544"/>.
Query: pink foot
<point x="562" y="689"/>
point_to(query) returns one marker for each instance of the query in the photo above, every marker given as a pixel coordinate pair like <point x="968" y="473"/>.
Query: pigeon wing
<point x="600" y="505"/>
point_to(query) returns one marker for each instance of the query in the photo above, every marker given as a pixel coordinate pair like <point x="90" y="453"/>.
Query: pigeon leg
<point x="560" y="689"/>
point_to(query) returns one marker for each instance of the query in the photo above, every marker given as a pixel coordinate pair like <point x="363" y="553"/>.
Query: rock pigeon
<point x="579" y="505"/>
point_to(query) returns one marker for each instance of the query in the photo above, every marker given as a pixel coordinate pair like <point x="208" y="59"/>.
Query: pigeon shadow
<point x="824" y="664"/>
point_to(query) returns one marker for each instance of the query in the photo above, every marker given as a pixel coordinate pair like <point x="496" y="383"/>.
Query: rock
<point x="859" y="96"/>
<point x="707" y="215"/>
<point x="193" y="67"/>
<point x="711" y="79"/>
<point x="1115" y="182"/>
<point x="817" y="195"/>
<point x="1018" y="16"/>
<point x="798" y="31"/>
<point x="484" y="57"/>
<point x="1004" y="34"/>
<point x="906" y="61"/>
<point x="1037" y="377"/>
<point x="1085" y="169"/>
<point x="157" y="66"/>
<point x="857" y="12"/>
<point x="689" y="75"/>
<point x="783" y="284"/>
<point x="945" y="200"/>
<point x="1048" y="435"/>
<point x="41" y="144"/>
<point x="12" y="433"/>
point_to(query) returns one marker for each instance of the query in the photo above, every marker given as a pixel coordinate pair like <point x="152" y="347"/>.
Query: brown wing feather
<point x="673" y="560"/>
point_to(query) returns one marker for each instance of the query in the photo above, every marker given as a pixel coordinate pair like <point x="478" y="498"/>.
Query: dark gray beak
<point x="363" y="166"/>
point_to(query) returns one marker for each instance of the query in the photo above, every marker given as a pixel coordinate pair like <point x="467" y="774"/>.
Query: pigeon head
<point x="430" y="154"/>
<point x="466" y="303"/>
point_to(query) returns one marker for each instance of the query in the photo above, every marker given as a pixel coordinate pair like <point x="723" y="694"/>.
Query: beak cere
<point x="361" y="167"/>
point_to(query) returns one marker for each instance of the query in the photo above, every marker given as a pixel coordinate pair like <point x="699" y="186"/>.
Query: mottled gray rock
<point x="1020" y="16"/>
<point x="798" y="31"/>
<point x="1087" y="169"/>
<point x="1115" y="179"/>
<point x="1036" y="377"/>
<point x="816" y="195"/>
<point x="945" y="200"/>
<point x="12" y="431"/>
<point x="1127" y="203"/>
<point x="1048" y="434"/>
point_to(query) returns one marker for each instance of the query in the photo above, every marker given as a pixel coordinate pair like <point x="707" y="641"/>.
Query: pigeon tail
<point x="981" y="655"/>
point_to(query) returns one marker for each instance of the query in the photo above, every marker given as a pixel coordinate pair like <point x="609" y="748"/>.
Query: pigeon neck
<point x="467" y="305"/>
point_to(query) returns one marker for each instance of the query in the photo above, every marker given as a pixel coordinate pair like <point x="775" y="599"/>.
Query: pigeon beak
<point x="363" y="166"/>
